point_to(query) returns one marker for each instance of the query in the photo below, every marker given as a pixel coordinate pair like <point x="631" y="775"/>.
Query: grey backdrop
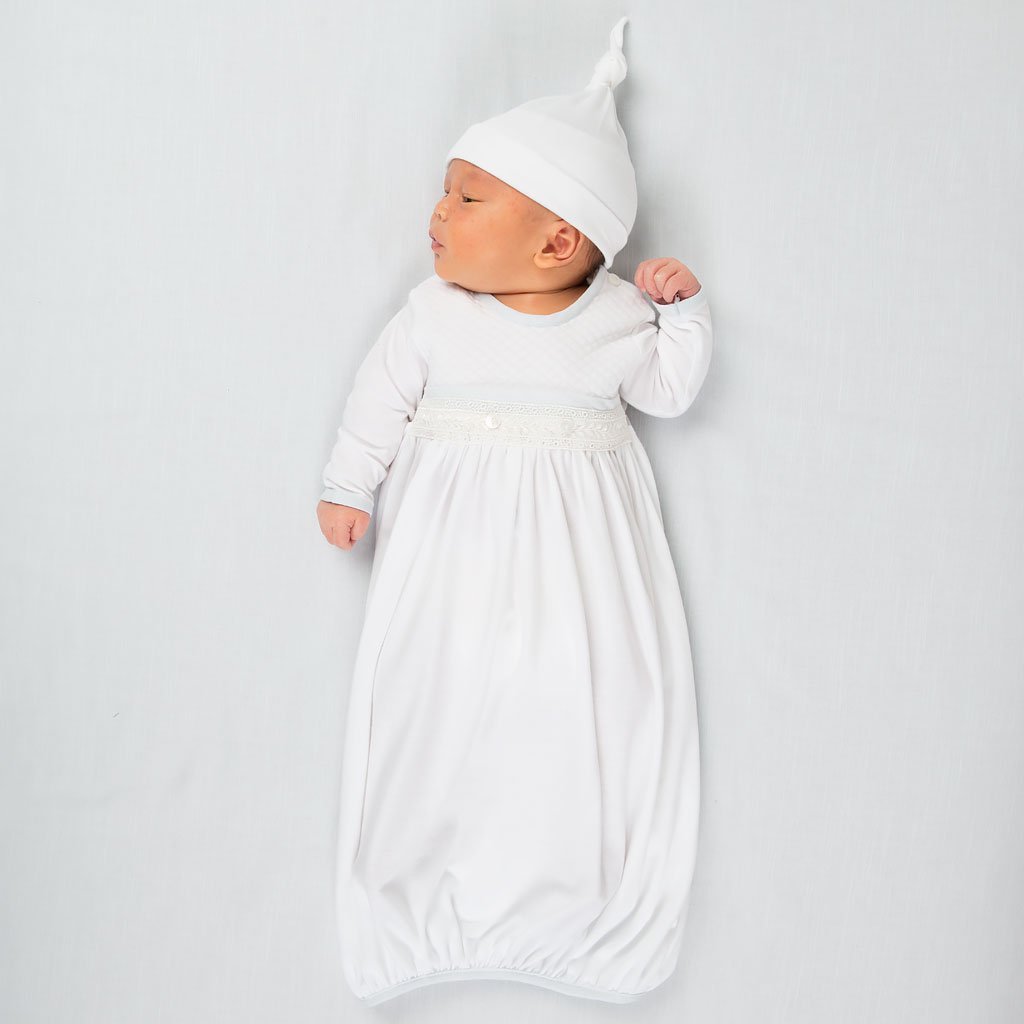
<point x="209" y="210"/>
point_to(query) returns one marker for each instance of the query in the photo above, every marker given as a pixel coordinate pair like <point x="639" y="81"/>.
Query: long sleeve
<point x="385" y="393"/>
<point x="673" y="358"/>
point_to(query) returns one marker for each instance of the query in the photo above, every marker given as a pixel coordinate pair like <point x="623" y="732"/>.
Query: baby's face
<point x="486" y="232"/>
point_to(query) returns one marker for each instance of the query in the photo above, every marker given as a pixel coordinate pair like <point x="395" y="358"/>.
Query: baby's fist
<point x="665" y="278"/>
<point x="341" y="524"/>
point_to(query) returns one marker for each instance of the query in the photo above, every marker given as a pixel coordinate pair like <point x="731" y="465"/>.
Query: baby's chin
<point x="447" y="274"/>
<point x="475" y="278"/>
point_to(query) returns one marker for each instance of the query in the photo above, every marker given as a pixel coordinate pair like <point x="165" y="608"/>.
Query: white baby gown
<point x="520" y="779"/>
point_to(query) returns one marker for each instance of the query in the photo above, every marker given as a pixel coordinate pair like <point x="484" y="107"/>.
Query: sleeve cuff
<point x="339" y="496"/>
<point x="682" y="309"/>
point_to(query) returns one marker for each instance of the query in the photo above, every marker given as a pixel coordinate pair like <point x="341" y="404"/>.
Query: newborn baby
<point x="520" y="782"/>
<point x="488" y="237"/>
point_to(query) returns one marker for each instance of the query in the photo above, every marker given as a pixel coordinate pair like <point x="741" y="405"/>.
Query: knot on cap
<point x="611" y="68"/>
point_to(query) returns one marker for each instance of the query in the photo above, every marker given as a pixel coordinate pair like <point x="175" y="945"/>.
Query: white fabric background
<point x="209" y="210"/>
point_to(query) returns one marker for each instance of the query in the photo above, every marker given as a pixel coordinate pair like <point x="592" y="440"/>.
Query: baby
<point x="491" y="238"/>
<point x="520" y="778"/>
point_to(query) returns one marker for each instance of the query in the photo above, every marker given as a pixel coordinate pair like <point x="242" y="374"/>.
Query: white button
<point x="491" y="421"/>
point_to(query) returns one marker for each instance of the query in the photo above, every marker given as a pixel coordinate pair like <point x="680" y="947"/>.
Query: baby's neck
<point x="541" y="303"/>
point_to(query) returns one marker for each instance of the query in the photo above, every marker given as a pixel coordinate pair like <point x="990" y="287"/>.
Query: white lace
<point x="522" y="423"/>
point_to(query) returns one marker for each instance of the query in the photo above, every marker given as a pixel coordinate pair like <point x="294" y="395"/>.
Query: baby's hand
<point x="665" y="278"/>
<point x="341" y="524"/>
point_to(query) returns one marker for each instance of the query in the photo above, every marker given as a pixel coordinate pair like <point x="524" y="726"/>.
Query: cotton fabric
<point x="520" y="779"/>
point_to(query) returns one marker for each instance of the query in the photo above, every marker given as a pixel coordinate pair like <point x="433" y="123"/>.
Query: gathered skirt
<point x="520" y="776"/>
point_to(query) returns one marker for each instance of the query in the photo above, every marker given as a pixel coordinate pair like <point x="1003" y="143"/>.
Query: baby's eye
<point x="468" y="199"/>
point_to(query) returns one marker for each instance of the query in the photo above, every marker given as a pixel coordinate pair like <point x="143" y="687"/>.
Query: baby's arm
<point x="385" y="393"/>
<point x="673" y="357"/>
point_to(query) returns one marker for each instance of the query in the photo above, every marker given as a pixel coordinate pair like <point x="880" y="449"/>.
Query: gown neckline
<point x="560" y="316"/>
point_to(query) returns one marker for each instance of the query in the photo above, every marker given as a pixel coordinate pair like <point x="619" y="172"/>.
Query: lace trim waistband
<point x="550" y="426"/>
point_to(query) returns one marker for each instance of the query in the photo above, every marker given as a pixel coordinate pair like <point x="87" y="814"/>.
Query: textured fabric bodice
<point x="481" y="351"/>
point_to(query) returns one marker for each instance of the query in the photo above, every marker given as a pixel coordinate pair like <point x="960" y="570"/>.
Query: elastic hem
<point x="499" y="974"/>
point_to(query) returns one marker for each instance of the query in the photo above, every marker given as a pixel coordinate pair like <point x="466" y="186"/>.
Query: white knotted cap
<point x="568" y="153"/>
